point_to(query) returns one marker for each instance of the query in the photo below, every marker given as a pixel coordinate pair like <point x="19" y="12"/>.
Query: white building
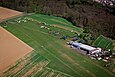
<point x="87" y="48"/>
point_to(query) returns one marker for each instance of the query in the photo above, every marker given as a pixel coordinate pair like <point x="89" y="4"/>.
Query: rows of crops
<point x="103" y="42"/>
<point x="32" y="65"/>
<point x="26" y="64"/>
<point x="48" y="72"/>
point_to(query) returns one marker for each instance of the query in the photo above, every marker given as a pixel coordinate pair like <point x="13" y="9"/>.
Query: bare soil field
<point x="6" y="13"/>
<point x="11" y="49"/>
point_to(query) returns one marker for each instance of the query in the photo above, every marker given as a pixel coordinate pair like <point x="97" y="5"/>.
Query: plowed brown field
<point x="6" y="13"/>
<point x="11" y="49"/>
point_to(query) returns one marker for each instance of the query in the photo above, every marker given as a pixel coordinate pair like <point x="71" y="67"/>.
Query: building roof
<point x="86" y="47"/>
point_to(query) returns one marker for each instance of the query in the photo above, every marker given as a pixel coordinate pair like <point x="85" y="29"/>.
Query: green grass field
<point x="62" y="60"/>
<point x="103" y="42"/>
<point x="52" y="20"/>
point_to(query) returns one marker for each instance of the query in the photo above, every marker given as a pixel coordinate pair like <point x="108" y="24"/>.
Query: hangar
<point x="89" y="49"/>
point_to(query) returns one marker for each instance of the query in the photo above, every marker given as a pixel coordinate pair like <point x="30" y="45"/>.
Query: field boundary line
<point x="32" y="39"/>
<point x="26" y="66"/>
<point x="108" y="44"/>
<point x="3" y="20"/>
<point x="95" y="40"/>
<point x="16" y="37"/>
<point x="21" y="59"/>
<point x="58" y="71"/>
<point x="100" y="42"/>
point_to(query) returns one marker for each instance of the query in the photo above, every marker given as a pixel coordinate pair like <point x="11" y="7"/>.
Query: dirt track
<point x="7" y="13"/>
<point x="11" y="49"/>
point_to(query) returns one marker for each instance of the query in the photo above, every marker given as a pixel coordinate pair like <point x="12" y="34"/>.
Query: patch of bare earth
<point x="11" y="49"/>
<point x="61" y="27"/>
<point x="6" y="13"/>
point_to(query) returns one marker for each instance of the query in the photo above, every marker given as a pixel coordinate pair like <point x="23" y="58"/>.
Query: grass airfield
<point x="59" y="60"/>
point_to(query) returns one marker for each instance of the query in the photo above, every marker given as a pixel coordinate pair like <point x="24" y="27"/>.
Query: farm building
<point x="87" y="48"/>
